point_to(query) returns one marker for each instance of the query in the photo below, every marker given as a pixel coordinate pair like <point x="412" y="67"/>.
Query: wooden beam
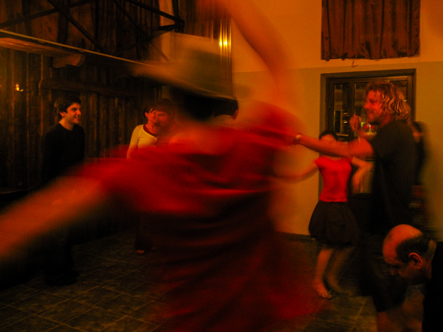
<point x="28" y="18"/>
<point x="157" y="11"/>
<point x="76" y="24"/>
<point x="72" y="60"/>
<point x="32" y="47"/>
<point x="139" y="28"/>
<point x="53" y="84"/>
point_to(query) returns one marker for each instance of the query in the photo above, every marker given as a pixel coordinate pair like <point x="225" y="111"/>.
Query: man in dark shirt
<point x="64" y="143"/>
<point x="63" y="148"/>
<point x="418" y="259"/>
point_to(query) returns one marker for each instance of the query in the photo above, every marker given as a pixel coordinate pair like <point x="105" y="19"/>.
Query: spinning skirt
<point x="333" y="223"/>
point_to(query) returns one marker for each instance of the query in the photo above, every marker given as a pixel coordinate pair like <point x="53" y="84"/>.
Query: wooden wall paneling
<point x="115" y="124"/>
<point x="104" y="112"/>
<point x="125" y="130"/>
<point x="19" y="120"/>
<point x="5" y="138"/>
<point x="47" y="114"/>
<point x="120" y="106"/>
<point x="46" y="96"/>
<point x="101" y="127"/>
<point x="90" y="122"/>
<point x="34" y="120"/>
<point x="107" y="124"/>
<point x="112" y="124"/>
<point x="10" y="106"/>
<point x="134" y="115"/>
<point x="128" y="118"/>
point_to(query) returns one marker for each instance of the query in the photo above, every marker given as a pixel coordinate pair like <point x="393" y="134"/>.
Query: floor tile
<point x="66" y="310"/>
<point x="94" y="320"/>
<point x="115" y="292"/>
<point x="37" y="302"/>
<point x="10" y="315"/>
<point x="32" y="323"/>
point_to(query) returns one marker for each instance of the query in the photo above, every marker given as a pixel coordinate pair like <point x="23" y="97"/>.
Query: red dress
<point x="223" y="267"/>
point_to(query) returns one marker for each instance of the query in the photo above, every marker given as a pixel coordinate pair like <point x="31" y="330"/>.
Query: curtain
<point x="370" y="29"/>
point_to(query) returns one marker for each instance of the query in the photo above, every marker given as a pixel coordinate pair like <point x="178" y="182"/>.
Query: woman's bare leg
<point x="322" y="263"/>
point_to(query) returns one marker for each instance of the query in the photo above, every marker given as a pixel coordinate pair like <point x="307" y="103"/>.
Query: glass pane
<point x="340" y="120"/>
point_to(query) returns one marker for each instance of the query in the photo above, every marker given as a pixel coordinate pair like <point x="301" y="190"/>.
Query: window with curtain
<point x="370" y="29"/>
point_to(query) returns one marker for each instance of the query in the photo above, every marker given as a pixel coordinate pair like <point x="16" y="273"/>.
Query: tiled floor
<point x="114" y="293"/>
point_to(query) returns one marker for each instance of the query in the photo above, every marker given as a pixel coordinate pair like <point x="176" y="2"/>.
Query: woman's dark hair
<point x="329" y="132"/>
<point x="202" y="108"/>
<point x="164" y="105"/>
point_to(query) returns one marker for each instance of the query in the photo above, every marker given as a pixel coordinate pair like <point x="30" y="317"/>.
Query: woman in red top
<point x="332" y="223"/>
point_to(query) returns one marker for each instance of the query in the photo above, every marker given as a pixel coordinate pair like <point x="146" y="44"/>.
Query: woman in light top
<point x="158" y="122"/>
<point x="154" y="132"/>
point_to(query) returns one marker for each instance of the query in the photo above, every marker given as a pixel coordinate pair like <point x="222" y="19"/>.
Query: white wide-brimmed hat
<point x="198" y="67"/>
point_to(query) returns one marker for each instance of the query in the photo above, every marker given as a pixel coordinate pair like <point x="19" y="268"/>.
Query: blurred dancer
<point x="332" y="223"/>
<point x="207" y="196"/>
<point x="419" y="203"/>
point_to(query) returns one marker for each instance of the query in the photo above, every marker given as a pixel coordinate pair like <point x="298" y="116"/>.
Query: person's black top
<point x="433" y="300"/>
<point x="62" y="149"/>
<point x="394" y="172"/>
<point x="421" y="158"/>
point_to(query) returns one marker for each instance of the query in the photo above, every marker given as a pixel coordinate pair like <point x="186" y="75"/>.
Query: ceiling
<point x="71" y="30"/>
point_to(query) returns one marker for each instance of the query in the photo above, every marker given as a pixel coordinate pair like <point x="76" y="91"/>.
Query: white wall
<point x="299" y="23"/>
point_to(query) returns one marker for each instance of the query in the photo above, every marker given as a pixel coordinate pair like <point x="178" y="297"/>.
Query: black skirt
<point x="333" y="223"/>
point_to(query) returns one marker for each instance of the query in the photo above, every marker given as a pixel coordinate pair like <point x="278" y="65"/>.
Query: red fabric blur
<point x="223" y="266"/>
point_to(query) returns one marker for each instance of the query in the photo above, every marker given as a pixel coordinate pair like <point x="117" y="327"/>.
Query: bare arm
<point x="304" y="173"/>
<point x="357" y="148"/>
<point x="363" y="167"/>
<point x="65" y="202"/>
